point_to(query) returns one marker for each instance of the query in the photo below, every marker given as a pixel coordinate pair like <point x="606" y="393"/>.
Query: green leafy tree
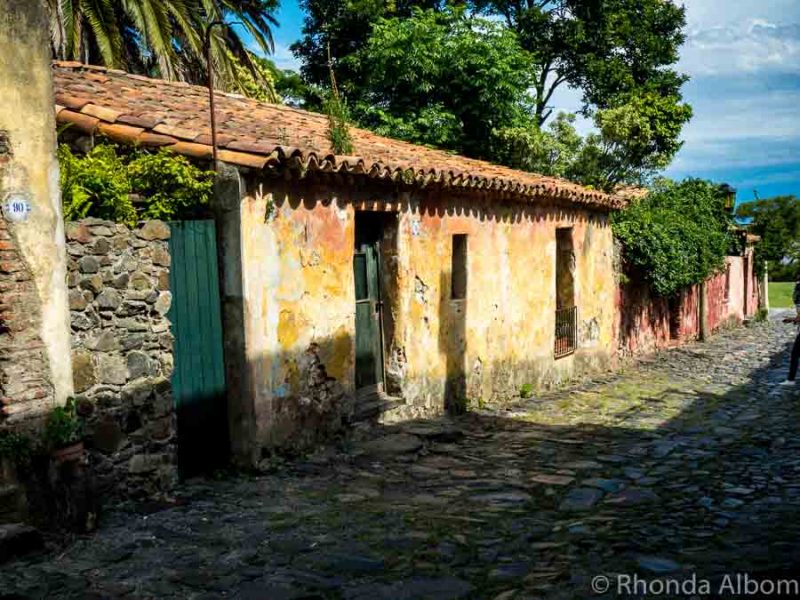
<point x="777" y="221"/>
<point x="95" y="185"/>
<point x="553" y="150"/>
<point x="170" y="185"/>
<point x="343" y="27"/>
<point x="425" y="71"/>
<point x="162" y="38"/>
<point x="442" y="78"/>
<point x="676" y="236"/>
<point x="261" y="85"/>
<point x="605" y="48"/>
<point x="631" y="143"/>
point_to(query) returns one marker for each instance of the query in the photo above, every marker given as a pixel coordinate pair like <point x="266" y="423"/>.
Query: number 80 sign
<point x="17" y="207"/>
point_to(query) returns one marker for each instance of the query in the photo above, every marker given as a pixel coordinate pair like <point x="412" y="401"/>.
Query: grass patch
<point x="780" y="294"/>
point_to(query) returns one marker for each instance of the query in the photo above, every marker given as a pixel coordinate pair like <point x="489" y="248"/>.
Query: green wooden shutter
<point x="198" y="380"/>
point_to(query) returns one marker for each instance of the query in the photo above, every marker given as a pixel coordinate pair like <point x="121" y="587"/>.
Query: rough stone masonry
<point x="119" y="296"/>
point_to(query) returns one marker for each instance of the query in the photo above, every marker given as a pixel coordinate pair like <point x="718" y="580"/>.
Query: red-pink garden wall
<point x="647" y="322"/>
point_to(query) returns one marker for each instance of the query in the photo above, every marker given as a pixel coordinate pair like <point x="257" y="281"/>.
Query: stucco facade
<point x="35" y="369"/>
<point x="298" y="292"/>
<point x="397" y="282"/>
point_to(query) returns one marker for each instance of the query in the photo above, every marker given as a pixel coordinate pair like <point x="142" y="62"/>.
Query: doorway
<point x="374" y="238"/>
<point x="198" y="377"/>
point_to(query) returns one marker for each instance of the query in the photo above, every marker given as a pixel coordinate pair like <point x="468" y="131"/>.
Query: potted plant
<point x="63" y="433"/>
<point x="15" y="451"/>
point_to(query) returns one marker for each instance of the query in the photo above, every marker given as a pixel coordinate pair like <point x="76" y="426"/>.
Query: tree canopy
<point x="777" y="221"/>
<point x="608" y="49"/>
<point x="441" y="79"/>
<point x="439" y="73"/>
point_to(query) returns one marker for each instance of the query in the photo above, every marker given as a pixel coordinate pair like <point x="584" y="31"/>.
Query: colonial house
<point x="398" y="282"/>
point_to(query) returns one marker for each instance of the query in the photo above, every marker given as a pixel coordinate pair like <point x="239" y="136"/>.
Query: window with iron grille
<point x="566" y="330"/>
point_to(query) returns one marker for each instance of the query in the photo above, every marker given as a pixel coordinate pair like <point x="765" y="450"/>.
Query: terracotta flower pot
<point x="69" y="453"/>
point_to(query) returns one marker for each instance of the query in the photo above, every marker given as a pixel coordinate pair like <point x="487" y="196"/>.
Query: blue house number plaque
<point x="17" y="207"/>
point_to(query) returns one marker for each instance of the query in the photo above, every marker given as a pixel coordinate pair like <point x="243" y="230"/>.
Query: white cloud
<point x="744" y="60"/>
<point x="749" y="46"/>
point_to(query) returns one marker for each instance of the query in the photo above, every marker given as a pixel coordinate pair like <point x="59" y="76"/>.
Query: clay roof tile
<point x="253" y="134"/>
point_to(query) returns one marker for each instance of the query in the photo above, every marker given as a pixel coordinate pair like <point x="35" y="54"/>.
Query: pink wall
<point x="647" y="322"/>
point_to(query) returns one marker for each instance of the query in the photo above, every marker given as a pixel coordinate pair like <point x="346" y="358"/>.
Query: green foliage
<point x="677" y="235"/>
<point x="777" y="222"/>
<point x="526" y="390"/>
<point x="343" y="26"/>
<point x="63" y="427"/>
<point x="761" y="316"/>
<point x="553" y="151"/>
<point x="171" y="185"/>
<point x="608" y="49"/>
<point x="15" y="447"/>
<point x="257" y="82"/>
<point x="101" y="183"/>
<point x="338" y="128"/>
<point x="95" y="185"/>
<point x="442" y="78"/>
<point x="632" y="142"/>
<point x="163" y="38"/>
<point x="434" y="72"/>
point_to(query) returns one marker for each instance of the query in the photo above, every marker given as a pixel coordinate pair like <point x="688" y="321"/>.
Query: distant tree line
<point x="777" y="222"/>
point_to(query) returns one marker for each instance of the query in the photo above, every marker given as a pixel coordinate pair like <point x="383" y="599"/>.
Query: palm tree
<point x="163" y="38"/>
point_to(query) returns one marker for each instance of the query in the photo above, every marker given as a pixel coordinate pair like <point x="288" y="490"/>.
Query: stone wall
<point x="119" y="296"/>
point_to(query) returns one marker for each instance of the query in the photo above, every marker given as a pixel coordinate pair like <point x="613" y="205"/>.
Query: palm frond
<point x="99" y="14"/>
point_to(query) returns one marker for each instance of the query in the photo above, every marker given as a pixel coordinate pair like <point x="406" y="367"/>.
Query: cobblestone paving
<point x="688" y="464"/>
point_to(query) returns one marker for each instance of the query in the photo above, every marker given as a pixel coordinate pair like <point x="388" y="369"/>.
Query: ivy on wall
<point x="129" y="185"/>
<point x="676" y="236"/>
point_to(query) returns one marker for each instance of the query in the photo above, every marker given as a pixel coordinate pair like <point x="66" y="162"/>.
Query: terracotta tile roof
<point x="131" y="108"/>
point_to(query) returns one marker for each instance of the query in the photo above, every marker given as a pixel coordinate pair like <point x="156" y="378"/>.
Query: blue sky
<point x="744" y="61"/>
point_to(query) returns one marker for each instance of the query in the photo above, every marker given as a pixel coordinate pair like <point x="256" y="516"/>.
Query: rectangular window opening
<point x="566" y="332"/>
<point x="727" y="283"/>
<point x="458" y="288"/>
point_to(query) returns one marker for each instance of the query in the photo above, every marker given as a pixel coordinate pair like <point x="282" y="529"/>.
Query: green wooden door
<point x="369" y="333"/>
<point x="198" y="378"/>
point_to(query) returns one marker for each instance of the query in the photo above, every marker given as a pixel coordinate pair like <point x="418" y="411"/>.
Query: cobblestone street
<point x="687" y="464"/>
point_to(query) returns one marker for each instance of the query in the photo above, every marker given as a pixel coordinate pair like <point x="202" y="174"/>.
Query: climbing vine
<point x="676" y="236"/>
<point x="128" y="185"/>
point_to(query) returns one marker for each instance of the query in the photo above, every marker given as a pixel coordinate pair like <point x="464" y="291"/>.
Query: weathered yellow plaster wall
<point x="502" y="335"/>
<point x="297" y="249"/>
<point x="299" y="313"/>
<point x="26" y="116"/>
